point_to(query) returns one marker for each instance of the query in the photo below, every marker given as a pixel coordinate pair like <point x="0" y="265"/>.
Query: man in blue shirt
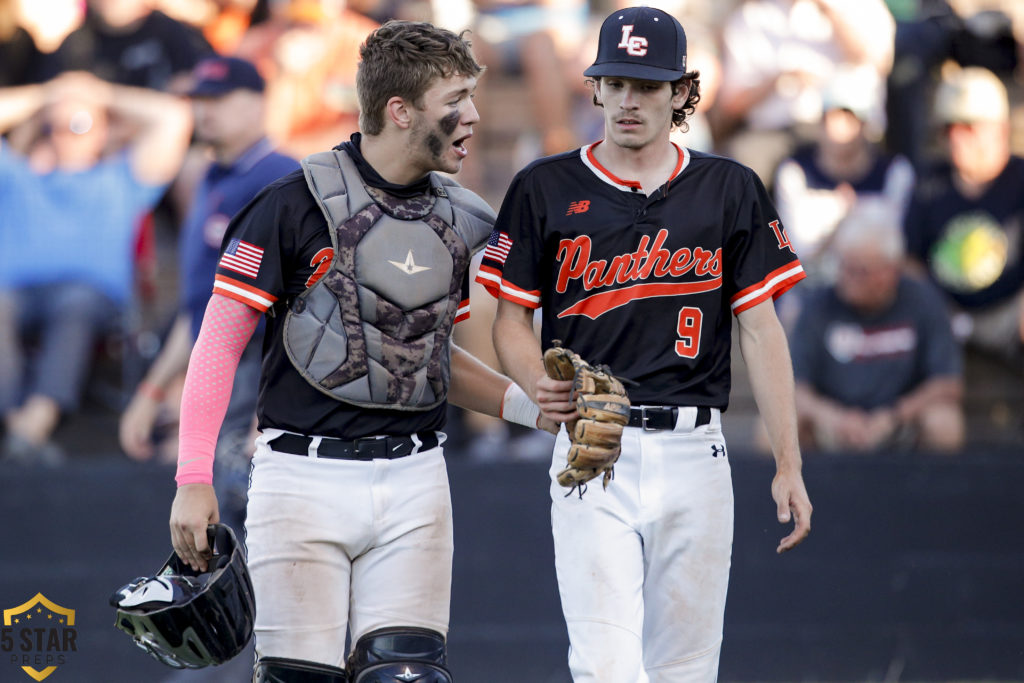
<point x="71" y="204"/>
<point x="227" y="97"/>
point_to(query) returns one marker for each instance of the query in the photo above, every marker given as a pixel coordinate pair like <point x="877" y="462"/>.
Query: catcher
<point x="603" y="409"/>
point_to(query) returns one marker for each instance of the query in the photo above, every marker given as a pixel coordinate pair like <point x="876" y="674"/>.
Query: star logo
<point x="407" y="675"/>
<point x="409" y="267"/>
<point x="38" y="640"/>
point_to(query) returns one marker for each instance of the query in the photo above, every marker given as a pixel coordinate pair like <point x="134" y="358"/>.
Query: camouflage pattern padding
<point x="402" y="208"/>
<point x="374" y="330"/>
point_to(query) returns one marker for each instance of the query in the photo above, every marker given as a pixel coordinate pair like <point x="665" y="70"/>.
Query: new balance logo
<point x="717" y="450"/>
<point x="582" y="206"/>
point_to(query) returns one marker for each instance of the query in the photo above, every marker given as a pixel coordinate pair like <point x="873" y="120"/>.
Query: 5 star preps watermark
<point x="38" y="636"/>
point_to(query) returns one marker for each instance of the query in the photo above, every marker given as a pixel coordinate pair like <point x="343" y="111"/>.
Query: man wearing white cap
<point x="965" y="223"/>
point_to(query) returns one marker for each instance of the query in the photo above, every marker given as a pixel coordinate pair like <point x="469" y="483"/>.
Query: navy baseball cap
<point x="215" y="76"/>
<point x="643" y="43"/>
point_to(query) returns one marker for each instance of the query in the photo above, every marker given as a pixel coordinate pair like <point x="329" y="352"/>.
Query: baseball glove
<point x="603" y="409"/>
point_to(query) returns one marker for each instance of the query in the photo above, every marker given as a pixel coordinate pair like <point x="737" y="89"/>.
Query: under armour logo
<point x="582" y="206"/>
<point x="407" y="676"/>
<point x="633" y="45"/>
<point x="409" y="267"/>
<point x="717" y="450"/>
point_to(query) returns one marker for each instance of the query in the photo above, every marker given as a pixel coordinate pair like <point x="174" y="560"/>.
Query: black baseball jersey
<point x="274" y="249"/>
<point x="643" y="283"/>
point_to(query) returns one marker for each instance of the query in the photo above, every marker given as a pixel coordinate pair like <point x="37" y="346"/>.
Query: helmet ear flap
<point x="186" y="619"/>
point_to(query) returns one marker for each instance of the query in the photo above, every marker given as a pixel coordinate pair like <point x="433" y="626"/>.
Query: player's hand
<point x="555" y="399"/>
<point x="136" y="428"/>
<point x="792" y="502"/>
<point x="194" y="507"/>
<point x="547" y="425"/>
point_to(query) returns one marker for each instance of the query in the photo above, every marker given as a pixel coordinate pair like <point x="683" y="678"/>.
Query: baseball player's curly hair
<point x="689" y="80"/>
<point x="403" y="58"/>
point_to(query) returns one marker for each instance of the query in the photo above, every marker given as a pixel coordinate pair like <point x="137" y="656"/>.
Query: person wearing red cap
<point x="228" y="107"/>
<point x="639" y="252"/>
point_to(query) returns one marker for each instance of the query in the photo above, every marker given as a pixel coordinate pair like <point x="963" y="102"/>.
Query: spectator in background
<point x="308" y="51"/>
<point x="20" y="58"/>
<point x="128" y="42"/>
<point x="228" y="105"/>
<point x="222" y="22"/>
<point x="930" y="32"/>
<point x="778" y="56"/>
<point x="50" y="22"/>
<point x="875" y="361"/>
<point x="965" y="223"/>
<point x="819" y="185"/>
<point x="522" y="39"/>
<point x="68" y="214"/>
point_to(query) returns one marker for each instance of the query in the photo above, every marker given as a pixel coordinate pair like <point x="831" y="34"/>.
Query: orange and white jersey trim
<point x="773" y="285"/>
<point x="500" y="288"/>
<point x="462" y="313"/>
<point x="247" y="294"/>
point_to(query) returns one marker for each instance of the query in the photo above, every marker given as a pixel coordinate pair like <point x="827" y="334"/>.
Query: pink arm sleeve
<point x="227" y="327"/>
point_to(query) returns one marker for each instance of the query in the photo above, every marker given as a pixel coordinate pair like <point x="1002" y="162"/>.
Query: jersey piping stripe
<point x="500" y="288"/>
<point x="492" y="281"/>
<point x="520" y="296"/>
<point x="590" y="160"/>
<point x="776" y="282"/>
<point x="463" y="311"/>
<point x="596" y="305"/>
<point x="490" y="278"/>
<point x="240" y="291"/>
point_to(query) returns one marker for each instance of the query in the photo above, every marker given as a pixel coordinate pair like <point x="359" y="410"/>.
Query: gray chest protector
<point x="374" y="330"/>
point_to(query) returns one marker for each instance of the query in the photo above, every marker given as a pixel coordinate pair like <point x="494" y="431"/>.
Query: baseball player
<point x="359" y="262"/>
<point x="639" y="253"/>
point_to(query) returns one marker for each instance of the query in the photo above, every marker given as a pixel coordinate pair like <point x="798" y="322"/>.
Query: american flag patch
<point x="242" y="257"/>
<point x="498" y="246"/>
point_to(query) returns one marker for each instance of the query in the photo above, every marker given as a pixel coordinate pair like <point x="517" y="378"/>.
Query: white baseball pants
<point x="343" y="544"/>
<point x="643" y="567"/>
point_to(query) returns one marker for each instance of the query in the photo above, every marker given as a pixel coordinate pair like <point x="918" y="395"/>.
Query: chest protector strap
<point x="374" y="330"/>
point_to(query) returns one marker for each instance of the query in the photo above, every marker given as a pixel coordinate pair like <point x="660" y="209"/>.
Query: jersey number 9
<point x="688" y="345"/>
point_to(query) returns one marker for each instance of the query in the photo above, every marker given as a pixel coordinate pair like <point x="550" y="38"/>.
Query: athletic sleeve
<point x="227" y="328"/>
<point x="760" y="260"/>
<point x="250" y="267"/>
<point x="510" y="268"/>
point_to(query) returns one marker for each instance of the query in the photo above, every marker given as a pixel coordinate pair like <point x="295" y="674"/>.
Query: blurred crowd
<point x="888" y="131"/>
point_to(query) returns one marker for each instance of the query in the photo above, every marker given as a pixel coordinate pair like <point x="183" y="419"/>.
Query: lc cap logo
<point x="643" y="43"/>
<point x="37" y="635"/>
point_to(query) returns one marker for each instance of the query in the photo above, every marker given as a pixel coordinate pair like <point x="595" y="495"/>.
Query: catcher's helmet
<point x="190" y="620"/>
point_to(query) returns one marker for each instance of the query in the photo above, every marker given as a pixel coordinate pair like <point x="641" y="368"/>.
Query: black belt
<point x="653" y="418"/>
<point x="370" y="448"/>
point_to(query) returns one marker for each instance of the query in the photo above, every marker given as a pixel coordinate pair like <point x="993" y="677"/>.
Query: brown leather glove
<point x="603" y="408"/>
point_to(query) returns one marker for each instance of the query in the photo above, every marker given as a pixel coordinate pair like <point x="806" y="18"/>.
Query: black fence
<point x="914" y="571"/>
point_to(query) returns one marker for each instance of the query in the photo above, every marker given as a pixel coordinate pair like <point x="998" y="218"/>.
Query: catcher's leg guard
<point x="401" y="653"/>
<point x="281" y="670"/>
